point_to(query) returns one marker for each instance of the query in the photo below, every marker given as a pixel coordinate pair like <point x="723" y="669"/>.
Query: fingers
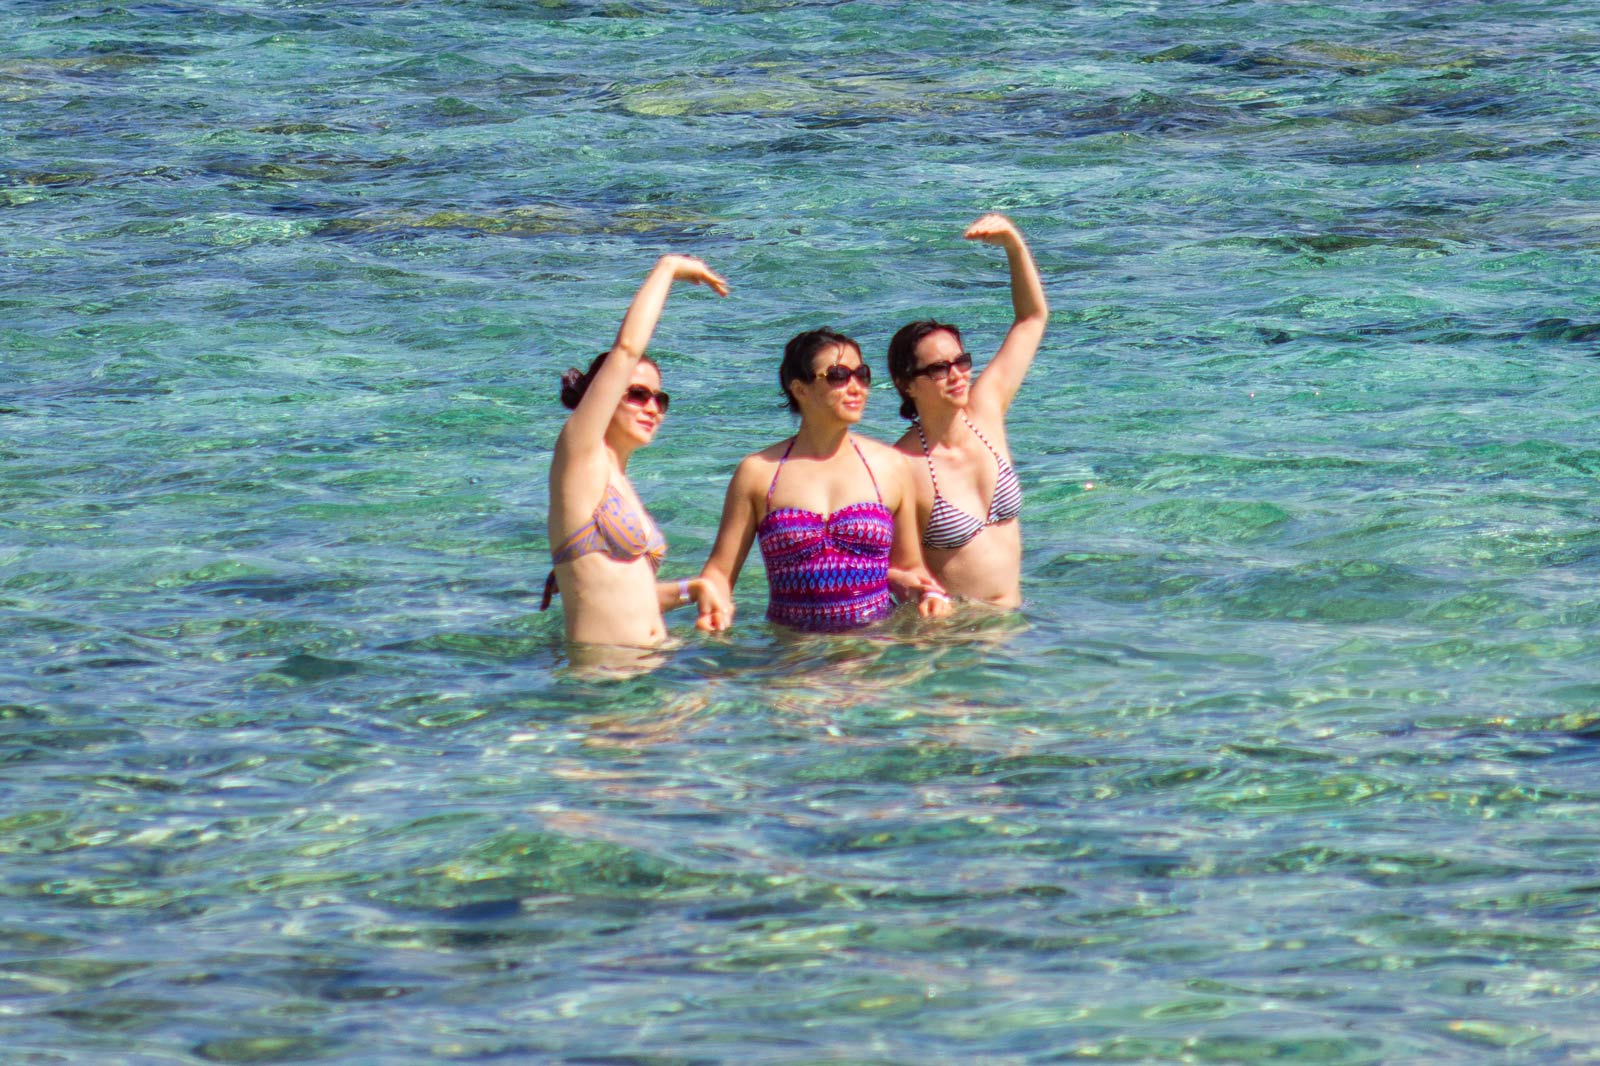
<point x="690" y="269"/>
<point x="715" y="283"/>
<point x="714" y="621"/>
<point x="933" y="604"/>
<point x="716" y="610"/>
<point x="906" y="585"/>
<point x="993" y="228"/>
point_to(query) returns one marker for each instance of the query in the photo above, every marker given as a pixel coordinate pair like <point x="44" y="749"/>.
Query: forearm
<point x="644" y="313"/>
<point x="639" y="324"/>
<point x="1027" y="288"/>
<point x="674" y="594"/>
<point x="908" y="571"/>
<point x="997" y="386"/>
<point x="735" y="534"/>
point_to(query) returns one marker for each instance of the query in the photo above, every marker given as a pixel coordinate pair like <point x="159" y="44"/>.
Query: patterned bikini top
<point x="949" y="527"/>
<point x="617" y="530"/>
<point x="827" y="574"/>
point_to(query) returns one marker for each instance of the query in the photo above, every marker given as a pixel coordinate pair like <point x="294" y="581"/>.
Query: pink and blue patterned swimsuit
<point x="827" y="574"/>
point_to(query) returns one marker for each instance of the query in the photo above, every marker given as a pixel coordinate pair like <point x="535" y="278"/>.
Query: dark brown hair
<point x="903" y="357"/>
<point x="799" y="353"/>
<point x="575" y="382"/>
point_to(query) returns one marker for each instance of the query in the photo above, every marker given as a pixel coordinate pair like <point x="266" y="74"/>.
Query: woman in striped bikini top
<point x="949" y="527"/>
<point x="605" y="549"/>
<point x="957" y="420"/>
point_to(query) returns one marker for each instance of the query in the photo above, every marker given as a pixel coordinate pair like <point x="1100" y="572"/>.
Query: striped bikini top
<point x="949" y="527"/>
<point x="615" y="529"/>
<point x="827" y="574"/>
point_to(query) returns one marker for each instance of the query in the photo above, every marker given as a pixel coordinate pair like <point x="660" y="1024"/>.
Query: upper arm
<point x="737" y="530"/>
<point x="997" y="386"/>
<point x="585" y="430"/>
<point x="906" y="553"/>
<point x="579" y="468"/>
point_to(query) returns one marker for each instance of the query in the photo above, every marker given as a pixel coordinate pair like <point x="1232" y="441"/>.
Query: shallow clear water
<point x="1290" y="756"/>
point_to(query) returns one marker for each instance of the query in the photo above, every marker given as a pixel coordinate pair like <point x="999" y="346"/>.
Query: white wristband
<point x="683" y="590"/>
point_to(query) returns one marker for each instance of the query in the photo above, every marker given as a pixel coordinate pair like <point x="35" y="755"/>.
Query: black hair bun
<point x="571" y="388"/>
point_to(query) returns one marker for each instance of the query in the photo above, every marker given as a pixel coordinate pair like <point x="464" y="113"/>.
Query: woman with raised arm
<point x="605" y="548"/>
<point x="968" y="496"/>
<point x="835" y="513"/>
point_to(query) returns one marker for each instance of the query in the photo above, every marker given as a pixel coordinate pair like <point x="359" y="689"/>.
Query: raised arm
<point x="586" y="426"/>
<point x="995" y="388"/>
<point x="734" y="535"/>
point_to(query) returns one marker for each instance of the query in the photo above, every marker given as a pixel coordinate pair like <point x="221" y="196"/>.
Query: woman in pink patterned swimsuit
<point x="835" y="514"/>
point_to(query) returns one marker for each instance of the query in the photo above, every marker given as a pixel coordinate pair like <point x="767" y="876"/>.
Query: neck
<point x="619" y="456"/>
<point x="820" y="440"/>
<point x="940" y="425"/>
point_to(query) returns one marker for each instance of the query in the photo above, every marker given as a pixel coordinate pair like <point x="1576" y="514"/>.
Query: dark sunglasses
<point x="942" y="368"/>
<point x="639" y="395"/>
<point x="838" y="375"/>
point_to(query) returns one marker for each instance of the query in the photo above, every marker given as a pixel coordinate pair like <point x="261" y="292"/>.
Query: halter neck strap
<point x="784" y="458"/>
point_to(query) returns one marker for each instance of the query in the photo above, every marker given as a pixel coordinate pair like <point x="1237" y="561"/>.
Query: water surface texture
<point x="1291" y="756"/>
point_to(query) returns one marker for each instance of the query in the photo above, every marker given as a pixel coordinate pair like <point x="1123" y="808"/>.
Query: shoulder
<point x="875" y="449"/>
<point x="989" y="420"/>
<point x="987" y="408"/>
<point x="891" y="460"/>
<point x="757" y="468"/>
<point x="772" y="452"/>
<point x="766" y="458"/>
<point x="577" y="462"/>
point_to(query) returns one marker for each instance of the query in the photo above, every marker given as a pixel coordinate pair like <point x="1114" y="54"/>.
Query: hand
<point x="933" y="603"/>
<point x="907" y="585"/>
<point x="716" y="607"/>
<point x="688" y="268"/>
<point x="920" y="585"/>
<point x="993" y="229"/>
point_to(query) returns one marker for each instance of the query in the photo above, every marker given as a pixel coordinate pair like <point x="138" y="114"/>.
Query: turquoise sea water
<point x="1290" y="757"/>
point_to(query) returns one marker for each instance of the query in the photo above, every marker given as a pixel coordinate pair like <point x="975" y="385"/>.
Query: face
<point x="636" y="421"/>
<point x="954" y="385"/>
<point x="846" y="400"/>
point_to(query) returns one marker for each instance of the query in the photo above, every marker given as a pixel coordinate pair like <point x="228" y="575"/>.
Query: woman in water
<point x="968" y="497"/>
<point x="605" y="548"/>
<point x="834" y="513"/>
